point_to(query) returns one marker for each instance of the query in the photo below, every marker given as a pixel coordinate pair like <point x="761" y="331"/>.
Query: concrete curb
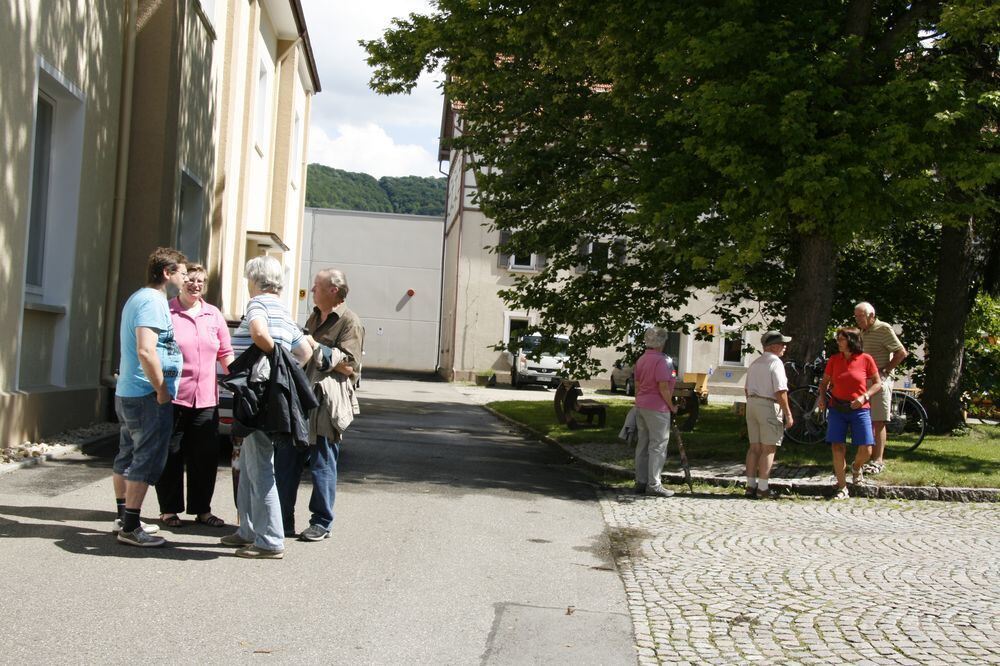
<point x="944" y="494"/>
<point x="58" y="451"/>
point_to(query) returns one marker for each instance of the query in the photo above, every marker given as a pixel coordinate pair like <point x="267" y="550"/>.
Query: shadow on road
<point x="88" y="541"/>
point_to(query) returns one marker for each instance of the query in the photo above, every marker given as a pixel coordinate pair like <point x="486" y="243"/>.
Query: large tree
<point x="739" y="145"/>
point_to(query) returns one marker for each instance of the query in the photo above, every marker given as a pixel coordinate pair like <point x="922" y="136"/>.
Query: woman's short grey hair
<point x="655" y="338"/>
<point x="265" y="272"/>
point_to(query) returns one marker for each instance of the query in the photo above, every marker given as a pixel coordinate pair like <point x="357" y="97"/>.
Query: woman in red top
<point x="852" y="378"/>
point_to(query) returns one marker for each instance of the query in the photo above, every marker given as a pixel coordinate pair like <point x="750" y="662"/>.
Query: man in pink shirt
<point x="654" y="394"/>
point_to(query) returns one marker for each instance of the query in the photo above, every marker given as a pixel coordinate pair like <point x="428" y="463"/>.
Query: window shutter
<point x="503" y="259"/>
<point x="539" y="262"/>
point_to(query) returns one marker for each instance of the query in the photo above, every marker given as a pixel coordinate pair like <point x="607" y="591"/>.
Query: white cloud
<point x="369" y="149"/>
<point x="349" y="123"/>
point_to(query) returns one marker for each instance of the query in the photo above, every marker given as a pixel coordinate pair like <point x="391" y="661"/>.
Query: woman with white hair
<point x="654" y="396"/>
<point x="266" y="324"/>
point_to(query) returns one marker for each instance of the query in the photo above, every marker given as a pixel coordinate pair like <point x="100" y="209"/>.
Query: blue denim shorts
<point x="145" y="437"/>
<point x="859" y="421"/>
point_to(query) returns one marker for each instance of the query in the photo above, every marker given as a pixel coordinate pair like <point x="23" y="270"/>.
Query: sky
<point x="352" y="127"/>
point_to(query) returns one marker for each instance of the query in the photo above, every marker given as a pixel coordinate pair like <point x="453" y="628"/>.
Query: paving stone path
<point x="726" y="580"/>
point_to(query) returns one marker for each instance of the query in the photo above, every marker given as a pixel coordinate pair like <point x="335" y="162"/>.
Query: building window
<point x="38" y="216"/>
<point x="597" y="255"/>
<point x="523" y="261"/>
<point x="261" y="119"/>
<point x="190" y="217"/>
<point x="56" y="168"/>
<point x="297" y="150"/>
<point x="732" y="347"/>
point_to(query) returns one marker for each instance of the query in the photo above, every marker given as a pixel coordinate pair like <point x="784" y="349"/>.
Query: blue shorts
<point x="145" y="437"/>
<point x="858" y="420"/>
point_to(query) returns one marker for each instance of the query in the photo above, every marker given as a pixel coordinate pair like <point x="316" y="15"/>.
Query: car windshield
<point x="552" y="346"/>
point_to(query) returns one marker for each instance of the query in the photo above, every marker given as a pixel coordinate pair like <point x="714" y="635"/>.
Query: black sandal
<point x="171" y="520"/>
<point x="211" y="521"/>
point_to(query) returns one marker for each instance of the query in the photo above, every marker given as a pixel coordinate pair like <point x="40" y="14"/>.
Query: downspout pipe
<point x="110" y="329"/>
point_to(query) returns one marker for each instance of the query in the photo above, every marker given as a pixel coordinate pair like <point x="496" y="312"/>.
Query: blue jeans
<point x="257" y="495"/>
<point x="322" y="459"/>
<point x="145" y="437"/>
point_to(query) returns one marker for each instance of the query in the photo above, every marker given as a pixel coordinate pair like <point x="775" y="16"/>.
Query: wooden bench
<point x="569" y="402"/>
<point x="687" y="399"/>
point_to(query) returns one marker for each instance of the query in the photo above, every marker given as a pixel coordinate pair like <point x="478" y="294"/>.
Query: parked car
<point x="225" y="397"/>
<point x="536" y="360"/>
<point x="623" y="376"/>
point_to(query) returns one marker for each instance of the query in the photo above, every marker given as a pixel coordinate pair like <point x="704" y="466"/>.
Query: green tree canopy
<point x="740" y="145"/>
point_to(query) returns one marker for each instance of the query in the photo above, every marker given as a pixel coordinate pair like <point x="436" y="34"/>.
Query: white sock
<point x="762" y="485"/>
<point x="751" y="481"/>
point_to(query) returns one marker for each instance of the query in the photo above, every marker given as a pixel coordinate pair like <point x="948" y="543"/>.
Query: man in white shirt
<point x="767" y="400"/>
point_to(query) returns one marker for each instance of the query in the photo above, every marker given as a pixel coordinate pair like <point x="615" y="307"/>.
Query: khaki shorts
<point x="764" y="425"/>
<point x="882" y="401"/>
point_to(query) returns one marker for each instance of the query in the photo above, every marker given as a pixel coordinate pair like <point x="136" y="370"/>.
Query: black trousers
<point x="199" y="453"/>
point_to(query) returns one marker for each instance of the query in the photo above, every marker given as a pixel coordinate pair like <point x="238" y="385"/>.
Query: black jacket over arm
<point x="280" y="406"/>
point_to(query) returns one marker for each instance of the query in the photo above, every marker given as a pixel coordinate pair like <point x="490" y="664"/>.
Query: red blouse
<point x="850" y="376"/>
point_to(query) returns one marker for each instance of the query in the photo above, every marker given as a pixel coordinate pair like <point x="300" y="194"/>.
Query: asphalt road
<point x="456" y="541"/>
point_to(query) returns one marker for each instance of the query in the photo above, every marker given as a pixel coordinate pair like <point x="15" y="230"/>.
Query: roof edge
<point x="300" y="24"/>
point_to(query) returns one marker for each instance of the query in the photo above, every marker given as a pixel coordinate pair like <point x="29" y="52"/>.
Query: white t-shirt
<point x="766" y="376"/>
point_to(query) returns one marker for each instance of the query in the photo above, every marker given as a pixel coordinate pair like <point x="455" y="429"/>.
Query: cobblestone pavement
<point x="725" y="580"/>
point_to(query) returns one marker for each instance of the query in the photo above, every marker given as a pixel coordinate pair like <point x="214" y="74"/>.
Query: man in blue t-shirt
<point x="147" y="383"/>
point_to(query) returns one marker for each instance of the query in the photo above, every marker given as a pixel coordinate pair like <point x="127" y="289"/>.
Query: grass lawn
<point x="971" y="459"/>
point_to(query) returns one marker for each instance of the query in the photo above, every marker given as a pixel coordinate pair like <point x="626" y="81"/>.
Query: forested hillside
<point x="335" y="188"/>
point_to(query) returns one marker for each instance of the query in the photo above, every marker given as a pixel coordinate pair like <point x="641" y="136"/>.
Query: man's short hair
<point x="865" y="307"/>
<point x="265" y="272"/>
<point x="336" y="279"/>
<point x="163" y="261"/>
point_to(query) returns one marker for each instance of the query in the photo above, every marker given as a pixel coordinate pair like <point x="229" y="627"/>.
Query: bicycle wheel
<point x="808" y="427"/>
<point x="907" y="423"/>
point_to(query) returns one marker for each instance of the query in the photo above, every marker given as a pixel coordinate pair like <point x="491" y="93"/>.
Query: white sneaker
<point x="116" y="527"/>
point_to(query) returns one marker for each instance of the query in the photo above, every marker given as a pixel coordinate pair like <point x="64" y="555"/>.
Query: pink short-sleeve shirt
<point x="204" y="340"/>
<point x="651" y="369"/>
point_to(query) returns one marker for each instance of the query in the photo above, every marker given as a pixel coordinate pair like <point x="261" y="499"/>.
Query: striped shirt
<point x="880" y="342"/>
<point x="281" y="327"/>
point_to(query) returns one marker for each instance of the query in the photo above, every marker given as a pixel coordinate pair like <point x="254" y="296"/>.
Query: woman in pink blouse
<point x="201" y="332"/>
<point x="654" y="403"/>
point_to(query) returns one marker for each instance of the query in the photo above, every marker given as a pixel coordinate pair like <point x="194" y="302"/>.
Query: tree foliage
<point x="415" y="195"/>
<point x="327" y="187"/>
<point x="759" y="149"/>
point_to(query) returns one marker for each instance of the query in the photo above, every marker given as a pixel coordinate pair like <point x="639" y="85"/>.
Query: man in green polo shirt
<point x="881" y="342"/>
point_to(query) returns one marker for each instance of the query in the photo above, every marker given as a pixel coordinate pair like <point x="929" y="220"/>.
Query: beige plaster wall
<point x="83" y="42"/>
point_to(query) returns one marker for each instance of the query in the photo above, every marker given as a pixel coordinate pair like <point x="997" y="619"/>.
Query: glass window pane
<point x="39" y="191"/>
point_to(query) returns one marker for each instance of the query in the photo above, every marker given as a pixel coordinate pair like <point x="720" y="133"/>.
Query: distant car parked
<point x="623" y="376"/>
<point x="535" y="360"/>
<point x="225" y="397"/>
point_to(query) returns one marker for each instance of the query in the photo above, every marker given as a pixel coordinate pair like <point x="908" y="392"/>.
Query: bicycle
<point x="905" y="429"/>
<point x="809" y="425"/>
<point x="907" y="424"/>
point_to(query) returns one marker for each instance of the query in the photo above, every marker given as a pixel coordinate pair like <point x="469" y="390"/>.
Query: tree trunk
<point x="809" y="303"/>
<point x="953" y="298"/>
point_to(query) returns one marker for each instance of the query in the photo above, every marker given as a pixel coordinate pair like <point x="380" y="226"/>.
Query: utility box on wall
<point x="393" y="268"/>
